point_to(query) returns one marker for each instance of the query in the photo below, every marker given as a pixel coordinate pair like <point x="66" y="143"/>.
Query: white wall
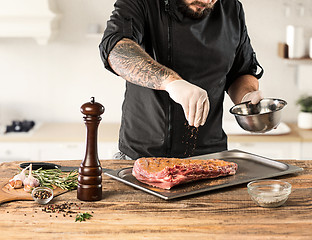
<point x="50" y="83"/>
<point x="266" y="23"/>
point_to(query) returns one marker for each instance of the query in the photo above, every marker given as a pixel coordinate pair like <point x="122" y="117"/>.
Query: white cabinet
<point x="49" y="151"/>
<point x="73" y="150"/>
<point x="107" y="150"/>
<point x="57" y="141"/>
<point x="306" y="151"/>
<point x="273" y="150"/>
<point x="19" y="151"/>
<point x="31" y="18"/>
<point x="60" y="151"/>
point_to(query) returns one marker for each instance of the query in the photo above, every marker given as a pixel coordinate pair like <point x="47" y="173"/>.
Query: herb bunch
<point x="83" y="216"/>
<point x="55" y="177"/>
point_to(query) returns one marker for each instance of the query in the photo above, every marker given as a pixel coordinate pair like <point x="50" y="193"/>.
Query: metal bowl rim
<point x="257" y="114"/>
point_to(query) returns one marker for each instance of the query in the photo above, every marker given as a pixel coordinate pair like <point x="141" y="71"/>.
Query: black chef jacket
<point x="210" y="53"/>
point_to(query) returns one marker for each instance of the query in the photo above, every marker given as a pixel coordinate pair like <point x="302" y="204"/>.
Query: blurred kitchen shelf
<point x="283" y="54"/>
<point x="298" y="61"/>
<point x="28" y="19"/>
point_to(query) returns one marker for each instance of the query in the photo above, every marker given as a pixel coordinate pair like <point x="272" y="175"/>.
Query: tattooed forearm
<point x="132" y="63"/>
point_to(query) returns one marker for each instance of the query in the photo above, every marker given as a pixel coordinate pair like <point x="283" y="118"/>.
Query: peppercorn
<point x="43" y="194"/>
<point x="66" y="209"/>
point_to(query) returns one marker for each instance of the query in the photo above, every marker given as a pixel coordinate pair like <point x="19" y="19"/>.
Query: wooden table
<point x="128" y="213"/>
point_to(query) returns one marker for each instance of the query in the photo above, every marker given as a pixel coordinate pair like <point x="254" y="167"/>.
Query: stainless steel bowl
<point x="261" y="117"/>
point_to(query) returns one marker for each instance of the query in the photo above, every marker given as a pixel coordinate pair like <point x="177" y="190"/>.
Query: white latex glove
<point x="193" y="99"/>
<point x="254" y="97"/>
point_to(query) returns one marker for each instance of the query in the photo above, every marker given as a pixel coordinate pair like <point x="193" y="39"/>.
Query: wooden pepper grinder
<point x="90" y="170"/>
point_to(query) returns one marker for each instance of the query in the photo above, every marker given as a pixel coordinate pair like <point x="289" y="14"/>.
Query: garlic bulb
<point x="18" y="179"/>
<point x="30" y="182"/>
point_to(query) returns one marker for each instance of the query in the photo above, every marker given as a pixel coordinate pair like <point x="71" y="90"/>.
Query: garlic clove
<point x="18" y="179"/>
<point x="15" y="183"/>
<point x="30" y="182"/>
<point x="28" y="188"/>
<point x="22" y="175"/>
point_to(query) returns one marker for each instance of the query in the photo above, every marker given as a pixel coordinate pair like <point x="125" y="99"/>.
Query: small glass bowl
<point x="269" y="193"/>
<point x="42" y="195"/>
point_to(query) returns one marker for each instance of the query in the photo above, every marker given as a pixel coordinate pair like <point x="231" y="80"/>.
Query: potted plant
<point x="305" y="115"/>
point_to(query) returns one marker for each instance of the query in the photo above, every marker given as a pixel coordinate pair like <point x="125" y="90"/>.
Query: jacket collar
<point x="172" y="9"/>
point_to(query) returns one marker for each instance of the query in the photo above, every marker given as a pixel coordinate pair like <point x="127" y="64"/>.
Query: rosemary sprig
<point x="55" y="177"/>
<point x="83" y="216"/>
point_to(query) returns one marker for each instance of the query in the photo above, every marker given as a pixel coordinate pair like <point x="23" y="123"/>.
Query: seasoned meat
<point x="168" y="172"/>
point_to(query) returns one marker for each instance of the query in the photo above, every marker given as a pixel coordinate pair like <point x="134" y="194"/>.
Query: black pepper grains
<point x="42" y="194"/>
<point x="66" y="209"/>
<point x="189" y="139"/>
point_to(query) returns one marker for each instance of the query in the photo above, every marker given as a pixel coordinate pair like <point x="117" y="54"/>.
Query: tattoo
<point x="132" y="63"/>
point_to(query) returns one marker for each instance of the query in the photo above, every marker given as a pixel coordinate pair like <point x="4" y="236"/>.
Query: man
<point x="179" y="57"/>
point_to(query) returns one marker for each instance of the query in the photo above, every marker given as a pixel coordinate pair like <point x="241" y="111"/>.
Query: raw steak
<point x="168" y="172"/>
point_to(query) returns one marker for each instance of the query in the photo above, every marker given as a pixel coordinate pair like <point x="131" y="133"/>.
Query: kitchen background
<point x="48" y="82"/>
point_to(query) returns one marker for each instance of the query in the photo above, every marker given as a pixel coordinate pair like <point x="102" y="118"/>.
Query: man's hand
<point x="193" y="99"/>
<point x="254" y="97"/>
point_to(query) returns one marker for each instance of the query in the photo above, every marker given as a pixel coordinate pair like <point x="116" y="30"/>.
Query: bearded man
<point x="179" y="58"/>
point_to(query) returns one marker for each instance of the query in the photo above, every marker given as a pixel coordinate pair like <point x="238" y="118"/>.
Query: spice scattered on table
<point x="61" y="208"/>
<point x="67" y="209"/>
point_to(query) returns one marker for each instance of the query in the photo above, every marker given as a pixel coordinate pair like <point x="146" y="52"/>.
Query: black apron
<point x="210" y="53"/>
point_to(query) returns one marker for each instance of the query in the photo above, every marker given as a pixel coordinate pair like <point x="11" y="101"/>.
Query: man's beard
<point x="188" y="12"/>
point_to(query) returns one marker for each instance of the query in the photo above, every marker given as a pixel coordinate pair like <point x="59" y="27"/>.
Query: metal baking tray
<point x="250" y="167"/>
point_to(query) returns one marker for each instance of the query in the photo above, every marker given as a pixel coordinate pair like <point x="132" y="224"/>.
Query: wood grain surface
<point x="8" y="194"/>
<point x="128" y="213"/>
